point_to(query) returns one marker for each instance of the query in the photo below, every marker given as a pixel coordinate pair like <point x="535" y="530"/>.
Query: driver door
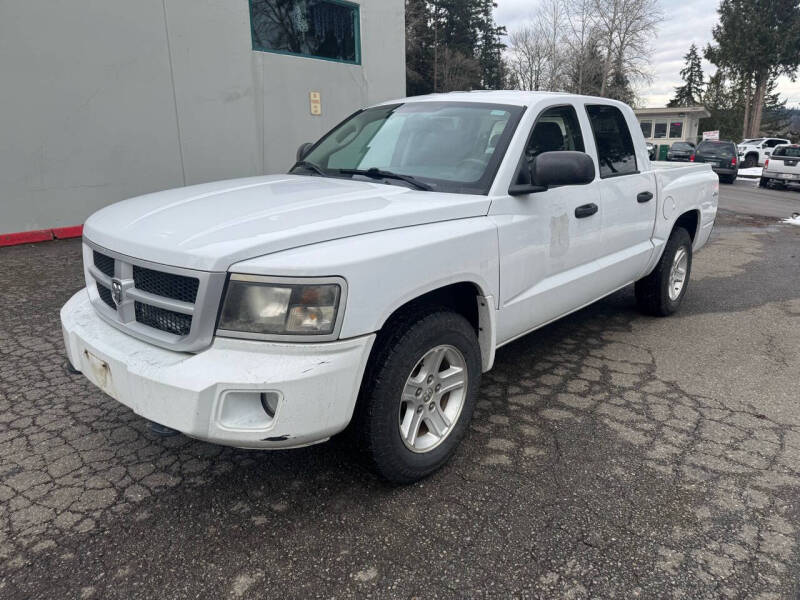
<point x="546" y="245"/>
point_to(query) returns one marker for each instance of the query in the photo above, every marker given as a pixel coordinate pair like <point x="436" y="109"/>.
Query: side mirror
<point x="302" y="151"/>
<point x="560" y="167"/>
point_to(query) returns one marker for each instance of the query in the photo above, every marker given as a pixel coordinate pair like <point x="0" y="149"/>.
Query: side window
<point x="556" y="128"/>
<point x="615" y="153"/>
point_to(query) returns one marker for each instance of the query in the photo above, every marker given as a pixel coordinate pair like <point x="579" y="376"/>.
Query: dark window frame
<point x="636" y="170"/>
<point x="649" y="122"/>
<point x="522" y="157"/>
<point x="356" y="33"/>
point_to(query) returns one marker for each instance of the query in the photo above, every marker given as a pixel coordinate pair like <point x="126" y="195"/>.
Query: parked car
<point x="651" y="151"/>
<point x="782" y="167"/>
<point x="753" y="152"/>
<point x="680" y="151"/>
<point x="374" y="282"/>
<point x="721" y="156"/>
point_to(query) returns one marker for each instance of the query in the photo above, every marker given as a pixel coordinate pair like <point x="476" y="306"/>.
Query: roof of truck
<point x="513" y="97"/>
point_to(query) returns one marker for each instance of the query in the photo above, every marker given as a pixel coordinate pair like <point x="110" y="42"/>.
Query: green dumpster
<point x="662" y="151"/>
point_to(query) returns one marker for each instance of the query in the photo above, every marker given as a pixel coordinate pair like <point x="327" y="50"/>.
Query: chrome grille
<point x="169" y="306"/>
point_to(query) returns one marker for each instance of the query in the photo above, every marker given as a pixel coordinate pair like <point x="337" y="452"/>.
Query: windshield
<point x="725" y="149"/>
<point x="790" y="151"/>
<point x="753" y="141"/>
<point x="681" y="146"/>
<point x="447" y="146"/>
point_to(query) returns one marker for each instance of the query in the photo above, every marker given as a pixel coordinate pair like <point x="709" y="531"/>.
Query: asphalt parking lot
<point x="612" y="456"/>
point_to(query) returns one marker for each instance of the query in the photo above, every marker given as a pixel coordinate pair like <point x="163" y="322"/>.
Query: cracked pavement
<point x="611" y="456"/>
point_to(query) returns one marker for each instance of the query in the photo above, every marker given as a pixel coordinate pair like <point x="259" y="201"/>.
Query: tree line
<point x="453" y="45"/>
<point x="755" y="42"/>
<point x="602" y="48"/>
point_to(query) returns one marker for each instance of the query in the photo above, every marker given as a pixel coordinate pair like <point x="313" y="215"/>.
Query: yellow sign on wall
<point x="316" y="103"/>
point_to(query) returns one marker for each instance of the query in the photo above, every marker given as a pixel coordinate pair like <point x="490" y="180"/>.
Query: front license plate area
<point x="99" y="372"/>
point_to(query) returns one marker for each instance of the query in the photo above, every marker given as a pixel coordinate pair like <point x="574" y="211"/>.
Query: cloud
<point x="685" y="22"/>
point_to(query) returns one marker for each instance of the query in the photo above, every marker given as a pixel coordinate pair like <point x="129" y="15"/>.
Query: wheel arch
<point x="690" y="221"/>
<point x="467" y="298"/>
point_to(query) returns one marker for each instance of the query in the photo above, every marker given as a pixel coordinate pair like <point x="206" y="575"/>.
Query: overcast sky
<point x="685" y="21"/>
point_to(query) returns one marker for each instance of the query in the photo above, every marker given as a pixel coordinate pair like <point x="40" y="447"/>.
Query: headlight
<point x="269" y="307"/>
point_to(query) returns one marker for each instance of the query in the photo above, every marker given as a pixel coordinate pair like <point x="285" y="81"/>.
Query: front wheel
<point x="662" y="291"/>
<point x="418" y="394"/>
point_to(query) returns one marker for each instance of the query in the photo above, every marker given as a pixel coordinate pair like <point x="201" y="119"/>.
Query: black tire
<point x="751" y="160"/>
<point x="406" y="340"/>
<point x="652" y="295"/>
<point x="728" y="178"/>
<point x="763" y="182"/>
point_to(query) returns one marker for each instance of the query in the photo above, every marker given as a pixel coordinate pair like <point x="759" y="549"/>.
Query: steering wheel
<point x="469" y="166"/>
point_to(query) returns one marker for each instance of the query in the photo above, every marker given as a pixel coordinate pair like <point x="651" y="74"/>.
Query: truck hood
<point x="212" y="226"/>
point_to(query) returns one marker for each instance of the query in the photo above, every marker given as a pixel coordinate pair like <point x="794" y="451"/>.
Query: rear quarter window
<point x="788" y="151"/>
<point x="615" y="152"/>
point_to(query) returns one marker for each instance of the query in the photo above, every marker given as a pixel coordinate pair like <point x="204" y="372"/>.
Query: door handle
<point x="587" y="210"/>
<point x="644" y="197"/>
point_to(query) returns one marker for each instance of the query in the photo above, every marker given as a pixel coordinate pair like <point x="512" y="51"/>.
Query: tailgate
<point x="785" y="165"/>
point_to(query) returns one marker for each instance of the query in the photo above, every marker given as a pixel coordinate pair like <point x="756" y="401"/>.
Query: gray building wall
<point x="101" y="100"/>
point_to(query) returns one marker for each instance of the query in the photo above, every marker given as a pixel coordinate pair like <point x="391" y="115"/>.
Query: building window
<point x="647" y="128"/>
<point x="327" y="29"/>
<point x="615" y="153"/>
<point x="661" y="130"/>
<point x="676" y="129"/>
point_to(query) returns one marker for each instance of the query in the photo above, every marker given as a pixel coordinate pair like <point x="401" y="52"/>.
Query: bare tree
<point x="536" y="50"/>
<point x="527" y="57"/>
<point x="456" y="71"/>
<point x="627" y="28"/>
<point x="551" y="24"/>
<point x="582" y="42"/>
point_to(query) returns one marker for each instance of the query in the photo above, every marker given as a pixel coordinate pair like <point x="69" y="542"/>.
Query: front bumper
<point x="216" y="395"/>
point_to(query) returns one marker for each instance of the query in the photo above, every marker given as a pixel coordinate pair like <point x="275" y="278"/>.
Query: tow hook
<point x="161" y="430"/>
<point x="70" y="369"/>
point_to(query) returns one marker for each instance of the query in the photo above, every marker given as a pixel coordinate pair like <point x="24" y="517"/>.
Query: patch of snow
<point x="750" y="172"/>
<point x="793" y="220"/>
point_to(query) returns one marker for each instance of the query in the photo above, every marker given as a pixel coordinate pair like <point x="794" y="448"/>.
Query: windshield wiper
<point x="374" y="173"/>
<point x="310" y="166"/>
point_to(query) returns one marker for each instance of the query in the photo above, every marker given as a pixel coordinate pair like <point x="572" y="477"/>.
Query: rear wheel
<point x="763" y="182"/>
<point x="662" y="291"/>
<point x="727" y="178"/>
<point x="418" y="394"/>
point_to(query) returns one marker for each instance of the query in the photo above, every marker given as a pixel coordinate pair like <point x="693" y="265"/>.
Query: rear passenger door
<point x="627" y="198"/>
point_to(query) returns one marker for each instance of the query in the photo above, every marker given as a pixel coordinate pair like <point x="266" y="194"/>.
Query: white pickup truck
<point x="374" y="282"/>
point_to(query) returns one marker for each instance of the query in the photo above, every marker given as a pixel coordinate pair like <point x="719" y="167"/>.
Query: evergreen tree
<point x="691" y="92"/>
<point x="722" y="103"/>
<point x="756" y="41"/>
<point x="494" y="74"/>
<point x="451" y="45"/>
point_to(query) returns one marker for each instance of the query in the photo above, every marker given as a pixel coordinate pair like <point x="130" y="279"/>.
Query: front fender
<point x="386" y="269"/>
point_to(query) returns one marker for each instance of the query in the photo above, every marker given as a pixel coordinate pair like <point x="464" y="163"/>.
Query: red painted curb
<point x="41" y="235"/>
<point x="25" y="237"/>
<point x="62" y="233"/>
